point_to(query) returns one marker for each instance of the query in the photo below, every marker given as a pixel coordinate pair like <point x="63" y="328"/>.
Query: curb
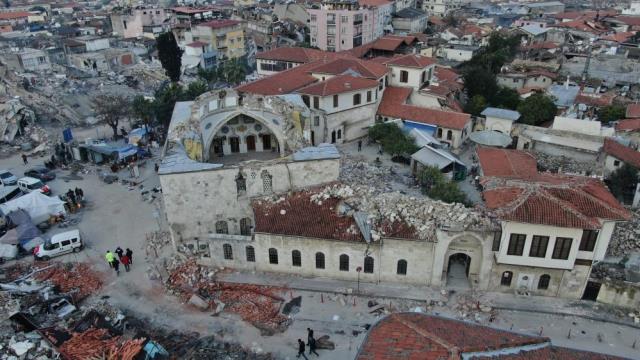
<point x="568" y="314"/>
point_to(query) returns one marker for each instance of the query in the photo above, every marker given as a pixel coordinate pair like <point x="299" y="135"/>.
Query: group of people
<point x="124" y="257"/>
<point x="74" y="197"/>
<point x="311" y="342"/>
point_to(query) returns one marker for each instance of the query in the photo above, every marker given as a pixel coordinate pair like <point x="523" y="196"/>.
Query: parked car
<point x="41" y="173"/>
<point x="59" y="244"/>
<point x="29" y="184"/>
<point x="7" y="178"/>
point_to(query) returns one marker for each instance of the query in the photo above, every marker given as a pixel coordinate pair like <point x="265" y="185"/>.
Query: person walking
<point x="312" y="346"/>
<point x="24" y="159"/>
<point x="129" y="254"/>
<point x="309" y="334"/>
<point x="359" y="145"/>
<point x="79" y="194"/>
<point x="120" y="252"/>
<point x="125" y="261"/>
<point x="116" y="266"/>
<point x="109" y="257"/>
<point x="301" y="349"/>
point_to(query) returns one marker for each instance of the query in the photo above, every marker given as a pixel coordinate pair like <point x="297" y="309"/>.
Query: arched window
<point x="267" y="186"/>
<point x="251" y="253"/>
<point x="543" y="282"/>
<point x="439" y="132"/>
<point x="245" y="226"/>
<point x="506" y="278"/>
<point x="241" y="184"/>
<point x="319" y="260"/>
<point x="344" y="262"/>
<point x="273" y="256"/>
<point x="227" y="250"/>
<point x="449" y="134"/>
<point x="222" y="227"/>
<point x="402" y="267"/>
<point x="296" y="258"/>
<point x="368" y="265"/>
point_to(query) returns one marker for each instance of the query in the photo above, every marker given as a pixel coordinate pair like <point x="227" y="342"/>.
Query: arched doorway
<point x="458" y="270"/>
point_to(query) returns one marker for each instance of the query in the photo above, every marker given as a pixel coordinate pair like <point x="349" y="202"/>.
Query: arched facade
<point x="478" y="266"/>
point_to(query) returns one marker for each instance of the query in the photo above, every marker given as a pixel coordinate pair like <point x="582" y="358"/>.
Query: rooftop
<point x="501" y="113"/>
<point x="410" y="13"/>
<point x="621" y="152"/>
<point x="411" y="60"/>
<point x="338" y="84"/>
<point x="219" y="24"/>
<point x="628" y="125"/>
<point x="14" y="15"/>
<point x="633" y="111"/>
<point x="506" y="163"/>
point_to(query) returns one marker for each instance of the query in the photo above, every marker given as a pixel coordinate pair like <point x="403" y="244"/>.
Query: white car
<point x="28" y="184"/>
<point x="59" y="244"/>
<point x="7" y="178"/>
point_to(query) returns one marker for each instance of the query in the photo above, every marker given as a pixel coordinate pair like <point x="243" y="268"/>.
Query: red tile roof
<point x="621" y="152"/>
<point x="633" y="111"/>
<point x="411" y="60"/>
<point x="296" y="54"/>
<point x="506" y="163"/>
<point x="368" y="69"/>
<point x="618" y="37"/>
<point x="404" y="336"/>
<point x="394" y="105"/>
<point x="284" y="82"/>
<point x="628" y="125"/>
<point x="629" y="20"/>
<point x="219" y="24"/>
<point x="338" y="84"/>
<point x="583" y="25"/>
<point x="443" y="73"/>
<point x="595" y="100"/>
<point x="14" y="15"/>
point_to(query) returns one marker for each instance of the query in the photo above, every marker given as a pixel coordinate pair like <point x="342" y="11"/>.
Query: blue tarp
<point x="67" y="135"/>
<point x="26" y="230"/>
<point x="121" y="152"/>
<point x="408" y="125"/>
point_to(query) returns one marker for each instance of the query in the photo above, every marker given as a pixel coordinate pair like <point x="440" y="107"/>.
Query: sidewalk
<point x="325" y="285"/>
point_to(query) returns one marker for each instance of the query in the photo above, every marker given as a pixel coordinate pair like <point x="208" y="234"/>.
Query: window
<point x="344" y="262"/>
<point x="245" y="226"/>
<point x="497" y="236"/>
<point x="506" y="278"/>
<point x="368" y="265"/>
<point x="402" y="267"/>
<point x="516" y="244"/>
<point x="340" y="134"/>
<point x="345" y="19"/>
<point x="616" y="163"/>
<point x="381" y="84"/>
<point x="369" y="96"/>
<point x="335" y="101"/>
<point x="241" y="183"/>
<point x="404" y="76"/>
<point x="439" y="132"/>
<point x="449" y="134"/>
<point x="539" y="246"/>
<point x="251" y="254"/>
<point x="319" y="260"/>
<point x="316" y="121"/>
<point x="313" y="18"/>
<point x="222" y="227"/>
<point x="543" y="282"/>
<point x="356" y="99"/>
<point x="316" y="102"/>
<point x="66" y="243"/>
<point x="424" y="76"/>
<point x="562" y="248"/>
<point x="296" y="258"/>
<point x="588" y="241"/>
<point x="273" y="256"/>
<point x="267" y="185"/>
<point x="227" y="251"/>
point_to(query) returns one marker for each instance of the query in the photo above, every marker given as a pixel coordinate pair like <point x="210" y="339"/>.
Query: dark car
<point x="40" y="173"/>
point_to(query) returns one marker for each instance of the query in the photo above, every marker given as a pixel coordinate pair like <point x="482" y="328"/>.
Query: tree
<point x="170" y="55"/>
<point x="611" y="113"/>
<point x="623" y="182"/>
<point x="537" y="109"/>
<point x="476" y="105"/>
<point x="507" y="98"/>
<point x="392" y="139"/>
<point x="165" y="100"/>
<point x="436" y="186"/>
<point x="479" y="81"/>
<point x="234" y="71"/>
<point x="208" y="75"/>
<point x="195" y="89"/>
<point x="110" y="109"/>
<point x="142" y="109"/>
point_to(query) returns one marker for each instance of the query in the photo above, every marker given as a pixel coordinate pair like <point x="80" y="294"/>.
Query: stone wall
<point x="623" y="294"/>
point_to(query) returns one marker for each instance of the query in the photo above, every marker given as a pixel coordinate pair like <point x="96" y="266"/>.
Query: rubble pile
<point x="356" y="172"/>
<point x="95" y="343"/>
<point x="563" y="164"/>
<point x="79" y="279"/>
<point x="608" y="271"/>
<point x="423" y="214"/>
<point x="156" y="240"/>
<point x="626" y="236"/>
<point x="258" y="305"/>
<point x="470" y="308"/>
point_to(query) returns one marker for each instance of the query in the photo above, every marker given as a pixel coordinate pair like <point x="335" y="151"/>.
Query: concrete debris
<point x="155" y="241"/>
<point x="79" y="279"/>
<point x="22" y="347"/>
<point x="14" y="115"/>
<point x="566" y="165"/>
<point x="198" y="302"/>
<point x="626" y="236"/>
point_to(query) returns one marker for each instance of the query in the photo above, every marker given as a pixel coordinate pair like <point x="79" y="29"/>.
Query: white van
<point x="29" y="184"/>
<point x="59" y="244"/>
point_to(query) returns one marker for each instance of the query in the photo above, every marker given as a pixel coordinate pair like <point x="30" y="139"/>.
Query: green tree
<point x="623" y="182"/>
<point x="110" y="109"/>
<point x="209" y="75"/>
<point x="165" y="101"/>
<point x="234" y="71"/>
<point x="170" y="55"/>
<point x="392" y="139"/>
<point x="476" y="105"/>
<point x="611" y="113"/>
<point x="537" y="109"/>
<point x="142" y="109"/>
<point x="436" y="186"/>
<point x="479" y="81"/>
<point x="507" y="98"/>
<point x="195" y="89"/>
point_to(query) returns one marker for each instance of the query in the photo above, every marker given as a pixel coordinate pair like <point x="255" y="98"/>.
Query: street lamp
<point x="358" y="270"/>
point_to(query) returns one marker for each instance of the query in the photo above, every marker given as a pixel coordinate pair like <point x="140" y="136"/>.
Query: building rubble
<point x="626" y="236"/>
<point x="258" y="305"/>
<point x="563" y="164"/>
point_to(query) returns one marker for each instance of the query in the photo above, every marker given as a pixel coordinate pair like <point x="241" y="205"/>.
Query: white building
<point x="33" y="60"/>
<point x="499" y="119"/>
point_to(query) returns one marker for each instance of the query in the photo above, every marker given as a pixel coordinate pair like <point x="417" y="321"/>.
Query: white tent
<point x="38" y="205"/>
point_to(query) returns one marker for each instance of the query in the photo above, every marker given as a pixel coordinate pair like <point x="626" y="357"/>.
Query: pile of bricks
<point x="99" y="344"/>
<point x="76" y="278"/>
<point x="258" y="305"/>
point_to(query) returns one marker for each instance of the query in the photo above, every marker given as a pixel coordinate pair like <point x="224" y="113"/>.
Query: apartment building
<point x="342" y="25"/>
<point x="140" y="21"/>
<point x="225" y="36"/>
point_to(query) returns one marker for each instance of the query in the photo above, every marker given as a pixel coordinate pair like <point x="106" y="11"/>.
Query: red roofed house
<point x="616" y="154"/>
<point x="404" y="336"/>
<point x="554" y="227"/>
<point x="14" y="18"/>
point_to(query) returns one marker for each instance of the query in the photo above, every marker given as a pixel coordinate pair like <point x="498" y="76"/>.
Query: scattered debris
<point x="626" y="236"/>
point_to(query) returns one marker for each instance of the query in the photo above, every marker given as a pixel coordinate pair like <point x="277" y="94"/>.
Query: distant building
<point x="342" y="25"/>
<point x="409" y="21"/>
<point x="458" y="53"/>
<point x="15" y="19"/>
<point x="33" y="60"/>
<point x="199" y="54"/>
<point x="226" y="36"/>
<point x="138" y="22"/>
<point x="441" y="8"/>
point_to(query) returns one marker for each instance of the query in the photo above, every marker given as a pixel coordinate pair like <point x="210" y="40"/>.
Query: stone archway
<point x="462" y="262"/>
<point x="458" y="270"/>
